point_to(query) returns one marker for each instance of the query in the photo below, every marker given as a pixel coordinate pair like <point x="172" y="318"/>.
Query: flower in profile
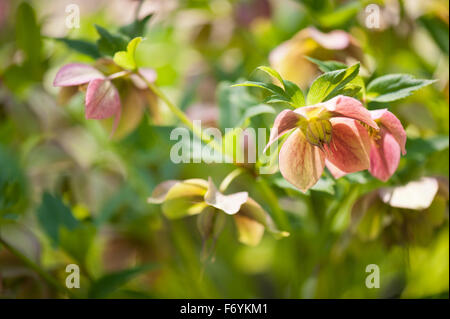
<point x="327" y="133"/>
<point x="102" y="97"/>
<point x="402" y="214"/>
<point x="289" y="58"/>
<point x="201" y="197"/>
<point x="387" y="144"/>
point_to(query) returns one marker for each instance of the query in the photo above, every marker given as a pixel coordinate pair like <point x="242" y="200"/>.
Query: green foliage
<point x="108" y="284"/>
<point x="110" y="43"/>
<point x="331" y="84"/>
<point x="82" y="46"/>
<point x="136" y="28"/>
<point x="394" y="87"/>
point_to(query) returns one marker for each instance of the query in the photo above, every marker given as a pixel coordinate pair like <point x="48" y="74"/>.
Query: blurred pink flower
<point x="102" y="97"/>
<point x="326" y="133"/>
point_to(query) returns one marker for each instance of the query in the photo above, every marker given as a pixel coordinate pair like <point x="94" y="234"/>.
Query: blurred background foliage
<point x="69" y="194"/>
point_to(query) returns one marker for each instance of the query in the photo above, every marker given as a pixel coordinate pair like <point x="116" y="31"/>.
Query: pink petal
<point x="301" y="163"/>
<point x="284" y="122"/>
<point x="344" y="106"/>
<point x="393" y="125"/>
<point x="336" y="172"/>
<point x="334" y="40"/>
<point x="102" y="99"/>
<point x="350" y="145"/>
<point x="75" y="74"/>
<point x="384" y="156"/>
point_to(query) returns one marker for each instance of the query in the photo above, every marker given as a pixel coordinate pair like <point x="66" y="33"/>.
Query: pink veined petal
<point x="384" y="156"/>
<point x="336" y="172"/>
<point x="301" y="163"/>
<point x="393" y="125"/>
<point x="344" y="106"/>
<point x="75" y="74"/>
<point x="284" y="122"/>
<point x="334" y="40"/>
<point x="102" y="100"/>
<point x="349" y="148"/>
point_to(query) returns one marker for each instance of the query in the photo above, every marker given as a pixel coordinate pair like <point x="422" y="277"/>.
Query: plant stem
<point x="35" y="267"/>
<point x="272" y="200"/>
<point x="181" y="116"/>
<point x="229" y="178"/>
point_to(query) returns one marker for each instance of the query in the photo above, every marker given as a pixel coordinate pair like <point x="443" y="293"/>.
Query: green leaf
<point x="438" y="30"/>
<point x="341" y="15"/>
<point x="110" y="43"/>
<point x="233" y="103"/>
<point x="28" y="39"/>
<point x="53" y="215"/>
<point x="136" y="28"/>
<point x="125" y="59"/>
<point x="394" y="87"/>
<point x="13" y="192"/>
<point x="272" y="73"/>
<point x="82" y="46"/>
<point x="111" y="282"/>
<point x="330" y="84"/>
<point x="266" y="86"/>
<point x="328" y="66"/>
<point x="76" y="242"/>
<point x="295" y="94"/>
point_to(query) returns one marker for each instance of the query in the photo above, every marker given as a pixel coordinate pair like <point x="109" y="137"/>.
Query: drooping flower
<point x="289" y="58"/>
<point x="326" y="133"/>
<point x="102" y="99"/>
<point x="402" y="214"/>
<point x="387" y="144"/>
<point x="201" y="197"/>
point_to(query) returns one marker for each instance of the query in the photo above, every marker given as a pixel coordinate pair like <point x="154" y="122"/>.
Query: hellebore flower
<point x="289" y="58"/>
<point x="102" y="97"/>
<point x="387" y="144"/>
<point x="201" y="197"/>
<point x="326" y="133"/>
<point x="402" y="214"/>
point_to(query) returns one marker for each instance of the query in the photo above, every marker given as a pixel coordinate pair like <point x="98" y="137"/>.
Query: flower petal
<point x="336" y="172"/>
<point x="393" y="124"/>
<point x="160" y="192"/>
<point x="251" y="220"/>
<point x="185" y="198"/>
<point x="349" y="147"/>
<point x="75" y="74"/>
<point x="384" y="156"/>
<point x="415" y="195"/>
<point x="147" y="73"/>
<point x="301" y="163"/>
<point x="230" y="204"/>
<point x="344" y="106"/>
<point x="102" y="99"/>
<point x="284" y="122"/>
<point x="334" y="40"/>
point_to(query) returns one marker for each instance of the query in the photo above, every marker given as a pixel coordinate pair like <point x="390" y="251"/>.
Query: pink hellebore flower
<point x="386" y="144"/>
<point x="326" y="133"/>
<point x="102" y="98"/>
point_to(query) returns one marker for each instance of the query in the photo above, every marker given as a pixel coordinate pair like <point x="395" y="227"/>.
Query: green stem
<point x="181" y="116"/>
<point x="229" y="178"/>
<point x="35" y="267"/>
<point x="272" y="200"/>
